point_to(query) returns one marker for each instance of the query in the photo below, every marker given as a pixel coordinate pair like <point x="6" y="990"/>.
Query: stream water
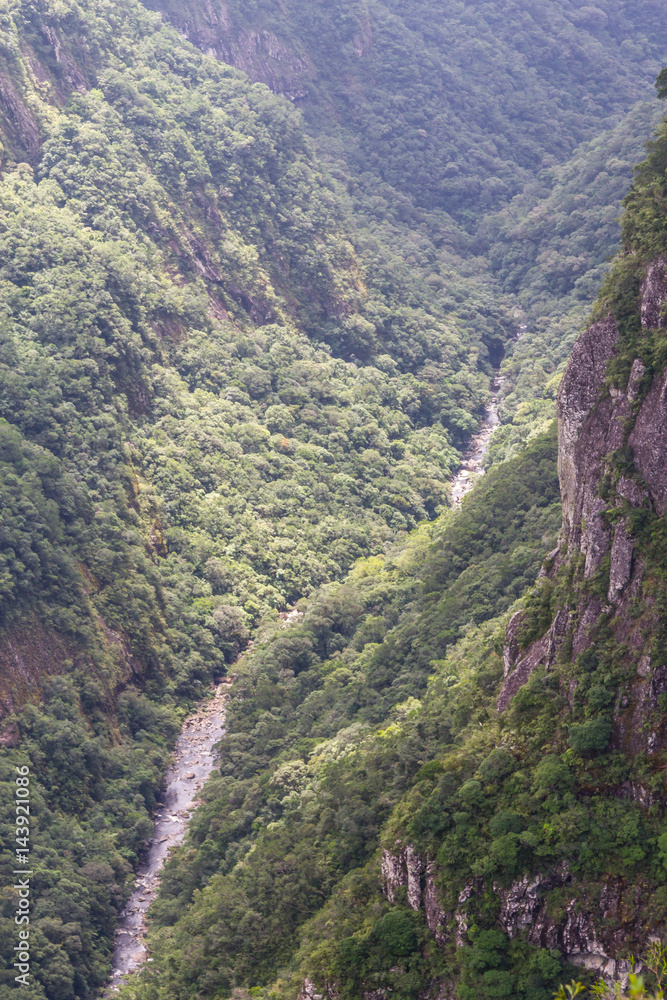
<point x="192" y="764"/>
<point x="193" y="758"/>
<point x="472" y="467"/>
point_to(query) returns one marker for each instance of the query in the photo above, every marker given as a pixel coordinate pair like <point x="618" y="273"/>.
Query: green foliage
<point x="183" y="448"/>
<point x="636" y="988"/>
<point x="229" y="378"/>
<point x="490" y="88"/>
<point x="591" y="736"/>
<point x="456" y="137"/>
<point x="495" y="967"/>
<point x="91" y="798"/>
<point x="324" y="739"/>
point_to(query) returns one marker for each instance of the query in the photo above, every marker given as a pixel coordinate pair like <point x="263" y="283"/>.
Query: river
<point x="192" y="764"/>
<point x="471" y="467"/>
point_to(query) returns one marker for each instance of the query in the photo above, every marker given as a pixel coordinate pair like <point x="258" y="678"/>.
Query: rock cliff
<point x="256" y="51"/>
<point x="602" y="586"/>
<point x="524" y="907"/>
<point x="606" y="583"/>
<point x="612" y="467"/>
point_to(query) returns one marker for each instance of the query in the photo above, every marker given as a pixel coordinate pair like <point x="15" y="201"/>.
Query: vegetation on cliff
<point x="241" y="352"/>
<point x="467" y="808"/>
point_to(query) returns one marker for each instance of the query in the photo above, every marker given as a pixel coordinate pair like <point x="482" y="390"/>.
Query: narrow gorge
<point x="333" y="558"/>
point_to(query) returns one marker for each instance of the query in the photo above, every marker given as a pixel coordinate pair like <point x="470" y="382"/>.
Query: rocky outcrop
<point x="310" y="991"/>
<point x="469" y="890"/>
<point x="521" y="904"/>
<point x="593" y="423"/>
<point x="654" y="296"/>
<point x="647" y="442"/>
<point x="257" y="52"/>
<point x="512" y="646"/>
<point x="596" y="422"/>
<point x="612" y="461"/>
<point x="524" y="908"/>
<point x="19" y="124"/>
<point x="265" y="59"/>
<point x="71" y="73"/>
<point x="436" y="918"/>
<point x="408" y="869"/>
<point x="543" y="652"/>
<point x="583" y="432"/>
<point x="620" y="569"/>
<point x="403" y="870"/>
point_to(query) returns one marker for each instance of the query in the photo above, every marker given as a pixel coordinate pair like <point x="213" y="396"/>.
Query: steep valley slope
<point x="243" y="346"/>
<point x="482" y="819"/>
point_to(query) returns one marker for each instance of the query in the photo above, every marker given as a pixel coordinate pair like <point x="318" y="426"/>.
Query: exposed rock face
<point x="436" y="918"/>
<point x="647" y="441"/>
<point x="414" y="865"/>
<point x="654" y="296"/>
<point x="403" y="869"/>
<point x="524" y="908"/>
<point x="265" y="59"/>
<point x="461" y="915"/>
<point x="520" y="905"/>
<point x="583" y="431"/>
<point x="20" y="123"/>
<point x="310" y="991"/>
<point x="258" y="53"/>
<point x="71" y="73"/>
<point x="394" y="874"/>
<point x="612" y="458"/>
<point x="543" y="652"/>
<point x="408" y="869"/>
<point x="620" y="569"/>
<point x="596" y="421"/>
<point x="511" y="649"/>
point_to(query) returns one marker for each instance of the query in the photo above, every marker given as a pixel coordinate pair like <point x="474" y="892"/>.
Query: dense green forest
<point x="326" y="734"/>
<point x="487" y="149"/>
<point x="245" y="338"/>
<point x="373" y="723"/>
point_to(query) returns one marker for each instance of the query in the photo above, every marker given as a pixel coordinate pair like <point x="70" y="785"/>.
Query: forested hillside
<point x="489" y="147"/>
<point x="243" y="347"/>
<point x="427" y="792"/>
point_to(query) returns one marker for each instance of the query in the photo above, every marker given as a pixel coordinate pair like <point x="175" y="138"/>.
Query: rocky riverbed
<point x="472" y="467"/>
<point x="192" y="764"/>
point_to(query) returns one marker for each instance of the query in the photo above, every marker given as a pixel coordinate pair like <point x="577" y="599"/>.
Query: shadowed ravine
<point x="192" y="765"/>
